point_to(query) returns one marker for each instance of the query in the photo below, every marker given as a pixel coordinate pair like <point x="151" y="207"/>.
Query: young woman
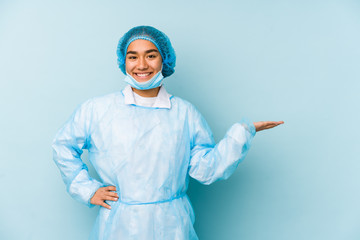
<point x="145" y="144"/>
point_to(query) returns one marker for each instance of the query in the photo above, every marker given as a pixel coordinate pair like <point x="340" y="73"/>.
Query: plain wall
<point x="296" y="61"/>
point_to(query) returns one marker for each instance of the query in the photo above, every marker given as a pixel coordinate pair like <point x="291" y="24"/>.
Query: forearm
<point x="212" y="163"/>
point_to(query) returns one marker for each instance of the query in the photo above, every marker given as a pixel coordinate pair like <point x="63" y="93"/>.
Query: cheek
<point x="157" y="65"/>
<point x="129" y="66"/>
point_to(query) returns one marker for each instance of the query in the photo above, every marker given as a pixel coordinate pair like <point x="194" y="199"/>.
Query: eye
<point x="131" y="57"/>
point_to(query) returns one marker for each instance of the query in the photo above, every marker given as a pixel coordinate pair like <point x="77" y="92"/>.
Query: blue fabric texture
<point x="149" y="155"/>
<point x="158" y="38"/>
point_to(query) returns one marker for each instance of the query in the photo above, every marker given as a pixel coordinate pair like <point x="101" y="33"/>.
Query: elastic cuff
<point x="249" y="126"/>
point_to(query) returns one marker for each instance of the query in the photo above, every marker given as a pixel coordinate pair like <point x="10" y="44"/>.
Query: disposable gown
<point x="148" y="154"/>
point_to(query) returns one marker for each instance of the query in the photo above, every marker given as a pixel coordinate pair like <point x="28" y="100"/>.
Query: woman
<point x="145" y="143"/>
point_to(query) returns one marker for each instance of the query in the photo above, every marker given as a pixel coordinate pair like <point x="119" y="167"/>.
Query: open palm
<point x="266" y="125"/>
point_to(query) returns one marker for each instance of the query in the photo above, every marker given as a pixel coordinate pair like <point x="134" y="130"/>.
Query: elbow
<point x="205" y="180"/>
<point x="213" y="179"/>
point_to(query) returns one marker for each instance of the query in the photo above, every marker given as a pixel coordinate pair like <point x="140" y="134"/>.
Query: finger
<point x="274" y="122"/>
<point x="110" y="188"/>
<point x="273" y="125"/>
<point x="270" y="126"/>
<point x="111" y="198"/>
<point x="103" y="204"/>
<point x="112" y="194"/>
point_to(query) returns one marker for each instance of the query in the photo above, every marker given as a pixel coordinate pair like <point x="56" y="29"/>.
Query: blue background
<point x="296" y="61"/>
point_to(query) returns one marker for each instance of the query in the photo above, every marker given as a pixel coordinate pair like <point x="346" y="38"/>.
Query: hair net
<point x="158" y="38"/>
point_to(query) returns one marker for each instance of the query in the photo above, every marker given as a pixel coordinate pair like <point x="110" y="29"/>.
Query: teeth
<point x="142" y="74"/>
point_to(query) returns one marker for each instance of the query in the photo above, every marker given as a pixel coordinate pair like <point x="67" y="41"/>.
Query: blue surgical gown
<point x="148" y="154"/>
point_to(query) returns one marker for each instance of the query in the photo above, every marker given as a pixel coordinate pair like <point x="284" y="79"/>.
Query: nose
<point x="142" y="64"/>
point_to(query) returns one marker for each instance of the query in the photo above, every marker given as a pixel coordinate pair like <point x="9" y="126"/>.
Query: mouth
<point x="143" y="76"/>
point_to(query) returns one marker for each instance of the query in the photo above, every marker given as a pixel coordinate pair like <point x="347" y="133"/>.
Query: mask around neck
<point x="154" y="82"/>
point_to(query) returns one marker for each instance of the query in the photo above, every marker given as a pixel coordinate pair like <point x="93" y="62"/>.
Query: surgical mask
<point x="154" y="82"/>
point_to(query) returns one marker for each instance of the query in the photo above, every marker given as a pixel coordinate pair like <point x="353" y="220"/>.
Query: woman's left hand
<point x="266" y="125"/>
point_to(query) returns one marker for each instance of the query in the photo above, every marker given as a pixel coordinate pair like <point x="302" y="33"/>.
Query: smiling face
<point x="143" y="60"/>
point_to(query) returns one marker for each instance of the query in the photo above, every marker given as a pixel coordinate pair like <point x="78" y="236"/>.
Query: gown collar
<point x="162" y="99"/>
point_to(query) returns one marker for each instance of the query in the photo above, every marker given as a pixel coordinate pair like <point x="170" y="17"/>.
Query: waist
<point x="177" y="196"/>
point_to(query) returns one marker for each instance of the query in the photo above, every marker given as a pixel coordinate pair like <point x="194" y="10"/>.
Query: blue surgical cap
<point x="158" y="38"/>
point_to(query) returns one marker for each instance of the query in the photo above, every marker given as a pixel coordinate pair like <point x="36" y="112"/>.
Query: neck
<point x="147" y="93"/>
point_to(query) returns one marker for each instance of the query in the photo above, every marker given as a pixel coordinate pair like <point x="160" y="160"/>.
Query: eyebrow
<point x="147" y="51"/>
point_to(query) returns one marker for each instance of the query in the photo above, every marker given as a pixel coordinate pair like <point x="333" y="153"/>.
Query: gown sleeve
<point x="67" y="149"/>
<point x="210" y="162"/>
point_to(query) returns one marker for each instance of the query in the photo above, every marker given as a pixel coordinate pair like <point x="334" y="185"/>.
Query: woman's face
<point x="143" y="60"/>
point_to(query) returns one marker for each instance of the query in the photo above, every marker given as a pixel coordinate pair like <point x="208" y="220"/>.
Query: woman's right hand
<point x="102" y="194"/>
